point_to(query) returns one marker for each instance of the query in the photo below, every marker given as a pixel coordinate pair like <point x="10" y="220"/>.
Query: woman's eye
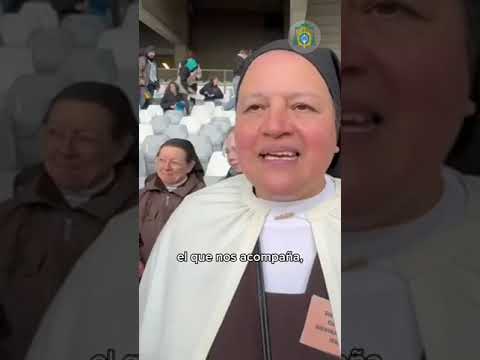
<point x="303" y="107"/>
<point x="254" y="107"/>
<point x="390" y="8"/>
<point x="53" y="132"/>
<point x="86" y="139"/>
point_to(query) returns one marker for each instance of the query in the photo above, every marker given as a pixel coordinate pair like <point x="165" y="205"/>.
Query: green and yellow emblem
<point x="304" y="36"/>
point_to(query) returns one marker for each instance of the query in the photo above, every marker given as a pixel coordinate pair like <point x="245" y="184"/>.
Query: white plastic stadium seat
<point x="50" y="49"/>
<point x="15" y="62"/>
<point x="131" y="17"/>
<point x="142" y="170"/>
<point x="123" y="44"/>
<point x="218" y="111"/>
<point x="218" y="165"/>
<point x="144" y="116"/>
<point x="227" y="96"/>
<point x="203" y="113"/>
<point x="177" y="131"/>
<point x="14" y="30"/>
<point x="174" y="116"/>
<point x="222" y="123"/>
<point x="210" y="106"/>
<point x="27" y="102"/>
<point x="86" y="28"/>
<point x="30" y="94"/>
<point x="231" y="115"/>
<point x="154" y="110"/>
<point x="150" y="147"/>
<point x="141" y="182"/>
<point x="192" y="124"/>
<point x="215" y="135"/>
<point x="143" y="131"/>
<point x="203" y="147"/>
<point x="40" y="15"/>
<point x="160" y="124"/>
<point x="90" y="65"/>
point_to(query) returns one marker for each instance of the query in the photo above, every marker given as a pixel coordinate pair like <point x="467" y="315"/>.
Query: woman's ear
<point x="191" y="165"/>
<point x="470" y="108"/>
<point x="123" y="146"/>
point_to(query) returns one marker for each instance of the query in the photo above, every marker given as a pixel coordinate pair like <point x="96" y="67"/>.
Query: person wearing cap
<point x="199" y="294"/>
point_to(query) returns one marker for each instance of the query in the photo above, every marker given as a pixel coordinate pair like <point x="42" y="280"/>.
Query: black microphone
<point x="5" y="330"/>
<point x="263" y="307"/>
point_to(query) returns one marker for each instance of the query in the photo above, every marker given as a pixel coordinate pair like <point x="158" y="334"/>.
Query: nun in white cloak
<point x="286" y="134"/>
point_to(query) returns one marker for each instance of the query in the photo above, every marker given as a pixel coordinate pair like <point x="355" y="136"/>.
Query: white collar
<point x="299" y="207"/>
<point x="77" y="198"/>
<point x="171" y="188"/>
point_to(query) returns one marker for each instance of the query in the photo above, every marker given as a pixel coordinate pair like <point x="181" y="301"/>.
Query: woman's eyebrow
<point x="304" y="94"/>
<point x="255" y="96"/>
<point x="289" y="95"/>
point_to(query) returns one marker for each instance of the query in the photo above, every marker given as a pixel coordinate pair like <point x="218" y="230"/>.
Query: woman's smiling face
<point x="285" y="130"/>
<point x="405" y="90"/>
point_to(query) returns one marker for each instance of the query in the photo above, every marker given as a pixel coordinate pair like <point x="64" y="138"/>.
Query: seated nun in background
<point x="178" y="174"/>
<point x="87" y="176"/>
<point x="286" y="136"/>
<point x="230" y="152"/>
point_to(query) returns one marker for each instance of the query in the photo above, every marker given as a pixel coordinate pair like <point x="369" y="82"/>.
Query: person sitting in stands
<point x="212" y="91"/>
<point x="173" y="100"/>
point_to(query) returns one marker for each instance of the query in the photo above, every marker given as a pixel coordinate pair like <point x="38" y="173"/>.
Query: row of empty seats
<point x="16" y="28"/>
<point x="206" y="128"/>
<point x="41" y="55"/>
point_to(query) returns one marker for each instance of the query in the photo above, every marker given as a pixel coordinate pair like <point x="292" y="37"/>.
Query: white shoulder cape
<point x="443" y="272"/>
<point x="94" y="310"/>
<point x="182" y="305"/>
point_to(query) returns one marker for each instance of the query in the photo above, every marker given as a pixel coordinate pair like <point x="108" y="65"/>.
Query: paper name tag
<point x="319" y="331"/>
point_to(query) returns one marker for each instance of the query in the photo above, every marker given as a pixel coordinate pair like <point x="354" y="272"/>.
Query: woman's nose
<point x="277" y="120"/>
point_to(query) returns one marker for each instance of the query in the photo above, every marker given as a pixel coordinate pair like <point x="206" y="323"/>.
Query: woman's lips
<point x="361" y="122"/>
<point x="280" y="156"/>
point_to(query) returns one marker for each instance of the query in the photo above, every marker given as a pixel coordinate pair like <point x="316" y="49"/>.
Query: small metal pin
<point x="284" y="216"/>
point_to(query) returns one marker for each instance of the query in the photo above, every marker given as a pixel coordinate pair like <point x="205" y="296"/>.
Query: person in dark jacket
<point x="173" y="100"/>
<point x="240" y="61"/>
<point x="179" y="173"/>
<point x="212" y="91"/>
<point x="88" y="176"/>
<point x="239" y="65"/>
